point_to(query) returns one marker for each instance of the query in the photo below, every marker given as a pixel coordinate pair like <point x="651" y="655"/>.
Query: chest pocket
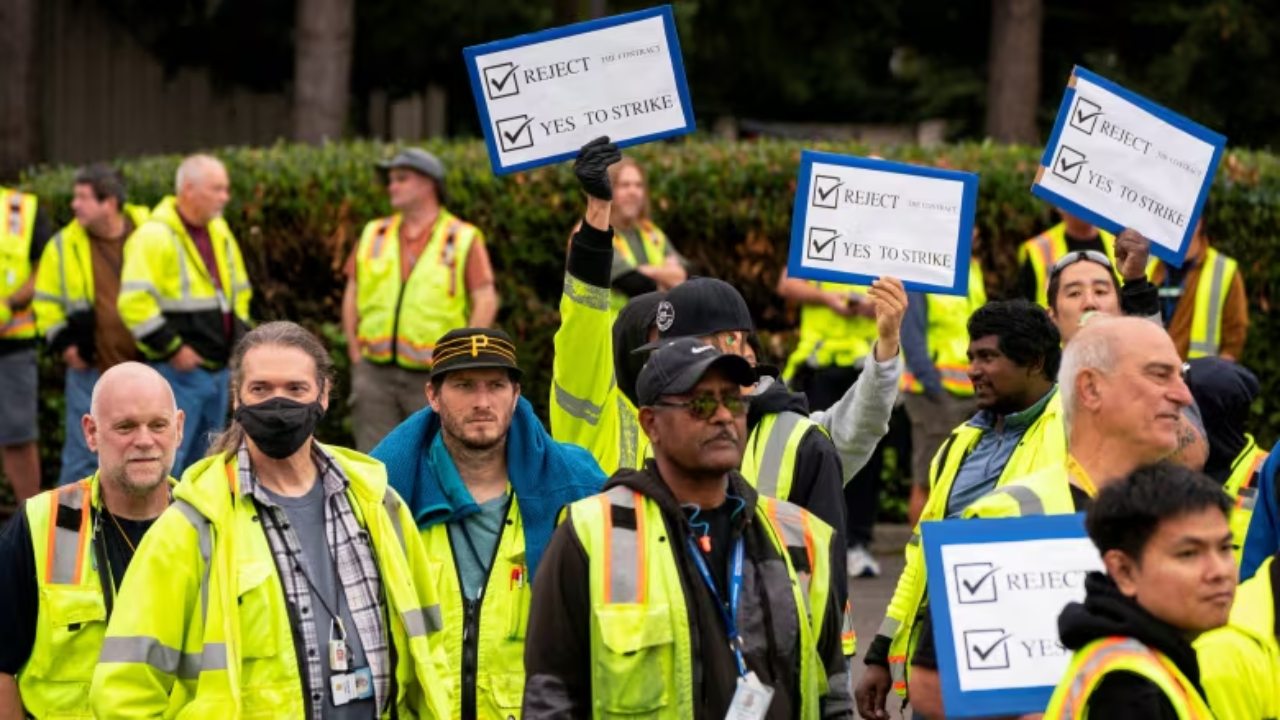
<point x="76" y="624"/>
<point x="637" y="658"/>
<point x="258" y="627"/>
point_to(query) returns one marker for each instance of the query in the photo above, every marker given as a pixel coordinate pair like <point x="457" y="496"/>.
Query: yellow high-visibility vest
<point x="1092" y="663"/>
<point x="948" y="336"/>
<point x="17" y="227"/>
<point x="1046" y="249"/>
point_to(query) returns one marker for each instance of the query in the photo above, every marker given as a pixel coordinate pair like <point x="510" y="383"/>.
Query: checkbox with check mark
<point x="1068" y="163"/>
<point x="976" y="583"/>
<point x="826" y="191"/>
<point x="500" y="80"/>
<point x="515" y="133"/>
<point x="1085" y="115"/>
<point x="822" y="244"/>
<point x="987" y="649"/>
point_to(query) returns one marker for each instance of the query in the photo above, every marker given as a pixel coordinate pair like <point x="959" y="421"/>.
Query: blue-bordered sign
<point x="996" y="588"/>
<point x="857" y="219"/>
<point x="1119" y="160"/>
<point x="542" y="96"/>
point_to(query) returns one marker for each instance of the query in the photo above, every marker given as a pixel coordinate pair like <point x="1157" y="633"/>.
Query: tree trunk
<point x="19" y="87"/>
<point x="322" y="68"/>
<point x="1013" y="77"/>
<point x="564" y="12"/>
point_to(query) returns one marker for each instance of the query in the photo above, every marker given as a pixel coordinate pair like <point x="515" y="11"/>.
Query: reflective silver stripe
<point x="391" y="502"/>
<point x="770" y="465"/>
<point x="628" y="435"/>
<point x="624" y="550"/>
<point x="152" y="652"/>
<point x="889" y="627"/>
<point x="139" y="286"/>
<point x="48" y="297"/>
<point x="1099" y="658"/>
<point x="591" y="296"/>
<point x="66" y="542"/>
<point x="189" y="304"/>
<point x="420" y="621"/>
<point x="580" y="408"/>
<point x="915" y="539"/>
<point x="1213" y="317"/>
<point x="146" y="327"/>
<point x="1028" y="501"/>
<point x="62" y="267"/>
<point x="791" y="525"/>
<point x="184" y="275"/>
<point x="205" y="541"/>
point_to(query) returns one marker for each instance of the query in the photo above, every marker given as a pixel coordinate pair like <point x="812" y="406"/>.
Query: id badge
<point x="343" y="687"/>
<point x="751" y="700"/>
<point x="362" y="683"/>
<point x="338" y="655"/>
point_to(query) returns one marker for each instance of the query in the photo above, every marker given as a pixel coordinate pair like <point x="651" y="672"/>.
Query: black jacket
<point x="558" y="643"/>
<point x="818" y="480"/>
<point x="1105" y="613"/>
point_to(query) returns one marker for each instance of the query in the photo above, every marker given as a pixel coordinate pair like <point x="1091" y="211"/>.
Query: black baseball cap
<point x="676" y="366"/>
<point x="702" y="306"/>
<point x="469" y="348"/>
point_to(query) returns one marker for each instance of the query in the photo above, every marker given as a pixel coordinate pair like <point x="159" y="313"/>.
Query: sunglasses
<point x="704" y="407"/>
<point x="1072" y="258"/>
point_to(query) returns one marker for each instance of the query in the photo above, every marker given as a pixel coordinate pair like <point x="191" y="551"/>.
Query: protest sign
<point x="542" y="96"/>
<point x="858" y="219"/>
<point x="1119" y="160"/>
<point x="996" y="588"/>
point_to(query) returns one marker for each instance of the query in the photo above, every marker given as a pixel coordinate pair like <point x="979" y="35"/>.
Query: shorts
<point x="18" y="385"/>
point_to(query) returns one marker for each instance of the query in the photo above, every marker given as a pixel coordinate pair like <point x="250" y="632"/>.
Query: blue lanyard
<point x="729" y="614"/>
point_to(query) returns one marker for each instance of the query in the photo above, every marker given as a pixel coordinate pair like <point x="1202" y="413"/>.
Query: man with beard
<point x="1014" y="351"/>
<point x="281" y="581"/>
<point x="64" y="555"/>
<point x="484" y="482"/>
<point x="680" y="592"/>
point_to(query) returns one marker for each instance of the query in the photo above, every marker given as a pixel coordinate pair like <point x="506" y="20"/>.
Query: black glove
<point x="592" y="167"/>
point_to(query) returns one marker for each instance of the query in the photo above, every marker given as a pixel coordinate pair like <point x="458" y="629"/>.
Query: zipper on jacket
<point x="471" y="620"/>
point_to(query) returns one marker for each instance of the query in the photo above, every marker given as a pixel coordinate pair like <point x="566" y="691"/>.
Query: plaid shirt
<point x="357" y="572"/>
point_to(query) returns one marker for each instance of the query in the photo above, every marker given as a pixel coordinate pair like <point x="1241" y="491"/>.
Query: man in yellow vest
<point x="1240" y="663"/>
<point x="1122" y="399"/>
<point x="1013" y="355"/>
<point x="644" y="260"/>
<point x="1039" y="254"/>
<point x="680" y="592"/>
<point x="77" y="287"/>
<point x="184" y="294"/>
<point x="24" y="230"/>
<point x="1224" y="391"/>
<point x="285" y="579"/>
<point x="937" y="391"/>
<point x="1163" y="536"/>
<point x="484" y="481"/>
<point x="413" y="276"/>
<point x="64" y="555"/>
<point x="1203" y="303"/>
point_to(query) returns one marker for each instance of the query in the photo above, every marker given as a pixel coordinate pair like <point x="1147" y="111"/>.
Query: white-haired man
<point x="185" y="297"/>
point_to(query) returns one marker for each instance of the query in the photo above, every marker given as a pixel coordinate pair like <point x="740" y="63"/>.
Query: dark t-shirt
<point x="713" y="533"/>
<point x="20" y="593"/>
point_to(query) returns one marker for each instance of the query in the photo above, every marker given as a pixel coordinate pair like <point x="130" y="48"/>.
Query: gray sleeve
<point x="859" y="419"/>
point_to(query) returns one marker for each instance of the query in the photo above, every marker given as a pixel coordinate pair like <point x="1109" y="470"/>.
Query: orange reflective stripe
<point x="642" y="575"/>
<point x="1248" y="480"/>
<point x="607" y="542"/>
<point x="51" y="542"/>
<point x="52" y="576"/>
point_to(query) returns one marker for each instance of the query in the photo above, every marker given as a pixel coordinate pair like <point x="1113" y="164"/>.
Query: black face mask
<point x="279" y="426"/>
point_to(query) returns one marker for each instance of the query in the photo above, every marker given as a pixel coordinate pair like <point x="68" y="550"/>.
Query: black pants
<point x="823" y="387"/>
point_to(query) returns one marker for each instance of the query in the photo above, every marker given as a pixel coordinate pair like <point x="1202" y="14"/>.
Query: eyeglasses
<point x="1076" y="256"/>
<point x="704" y="407"/>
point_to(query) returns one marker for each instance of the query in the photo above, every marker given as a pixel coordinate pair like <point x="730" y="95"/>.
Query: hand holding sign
<point x="592" y="167"/>
<point x="1132" y="252"/>
<point x="890" y="300"/>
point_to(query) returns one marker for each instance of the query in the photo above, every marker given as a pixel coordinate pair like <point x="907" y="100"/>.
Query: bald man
<point x="185" y="297"/>
<point x="54" y="600"/>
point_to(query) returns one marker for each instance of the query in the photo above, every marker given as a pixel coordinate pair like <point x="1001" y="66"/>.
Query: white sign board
<point x="996" y="589"/>
<point x="544" y="95"/>
<point x="1119" y="160"/>
<point x="858" y="219"/>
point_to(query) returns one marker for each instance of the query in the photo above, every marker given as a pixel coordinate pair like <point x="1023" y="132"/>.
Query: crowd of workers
<point x="678" y="543"/>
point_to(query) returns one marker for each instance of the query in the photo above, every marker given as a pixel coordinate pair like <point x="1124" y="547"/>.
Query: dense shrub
<point x="298" y="211"/>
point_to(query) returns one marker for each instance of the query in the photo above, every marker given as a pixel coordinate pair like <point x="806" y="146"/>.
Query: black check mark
<point x="511" y="137"/>
<point x="1068" y="167"/>
<point x="498" y="85"/>
<point x="984" y="654"/>
<point x="824" y="194"/>
<point x="819" y="247"/>
<point x="972" y="588"/>
<point x="1082" y="119"/>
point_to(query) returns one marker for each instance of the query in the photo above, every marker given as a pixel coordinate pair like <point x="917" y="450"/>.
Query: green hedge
<point x="298" y="211"/>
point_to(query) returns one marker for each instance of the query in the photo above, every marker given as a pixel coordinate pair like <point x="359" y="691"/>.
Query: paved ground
<point x="871" y="595"/>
